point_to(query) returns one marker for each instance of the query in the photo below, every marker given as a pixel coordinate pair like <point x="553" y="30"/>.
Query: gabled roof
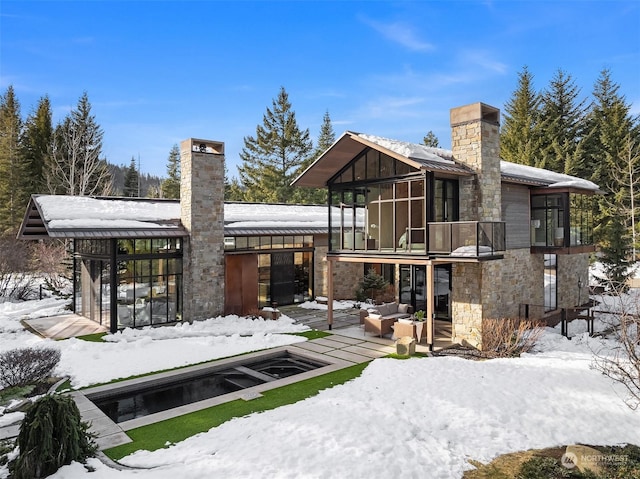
<point x="350" y="144"/>
<point x="61" y="216"/>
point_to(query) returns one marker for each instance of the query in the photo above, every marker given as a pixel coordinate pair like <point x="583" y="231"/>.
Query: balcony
<point x="466" y="239"/>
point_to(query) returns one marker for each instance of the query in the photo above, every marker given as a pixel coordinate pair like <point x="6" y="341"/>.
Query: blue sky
<point x="158" y="72"/>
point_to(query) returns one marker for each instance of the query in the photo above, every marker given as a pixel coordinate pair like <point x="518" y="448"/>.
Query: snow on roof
<point x="411" y="150"/>
<point x="551" y="178"/>
<point x="61" y="212"/>
<point x="82" y="212"/>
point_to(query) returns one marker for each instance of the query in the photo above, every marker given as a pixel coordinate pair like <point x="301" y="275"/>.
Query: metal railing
<point x="466" y="238"/>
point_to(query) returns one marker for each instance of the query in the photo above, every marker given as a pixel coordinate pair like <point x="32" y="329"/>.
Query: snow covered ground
<point x="424" y="417"/>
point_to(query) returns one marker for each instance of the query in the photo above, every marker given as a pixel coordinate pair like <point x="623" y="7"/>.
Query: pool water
<point x="178" y="391"/>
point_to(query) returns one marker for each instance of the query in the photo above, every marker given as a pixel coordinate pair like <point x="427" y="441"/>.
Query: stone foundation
<point x="346" y="276"/>
<point x="493" y="289"/>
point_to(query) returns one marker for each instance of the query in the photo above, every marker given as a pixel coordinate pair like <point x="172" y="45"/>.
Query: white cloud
<point x="484" y="60"/>
<point x="401" y="33"/>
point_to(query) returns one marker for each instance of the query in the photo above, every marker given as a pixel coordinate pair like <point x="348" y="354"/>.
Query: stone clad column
<point x="475" y="141"/>
<point x="477" y="287"/>
<point x="202" y="215"/>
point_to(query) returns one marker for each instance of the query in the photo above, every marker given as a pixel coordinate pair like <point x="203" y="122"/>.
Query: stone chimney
<point x="202" y="215"/>
<point x="475" y="141"/>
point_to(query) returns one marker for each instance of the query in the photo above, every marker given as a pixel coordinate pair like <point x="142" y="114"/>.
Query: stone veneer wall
<point x="570" y="269"/>
<point x="475" y="141"/>
<point x="202" y="215"/>
<point x="477" y="287"/>
<point x="346" y="276"/>
<point x="494" y="289"/>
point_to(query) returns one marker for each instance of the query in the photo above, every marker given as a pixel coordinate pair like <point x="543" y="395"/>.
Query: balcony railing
<point x="466" y="238"/>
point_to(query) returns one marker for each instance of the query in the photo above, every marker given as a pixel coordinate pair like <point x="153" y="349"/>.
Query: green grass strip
<point x="93" y="338"/>
<point x="155" y="436"/>
<point x="313" y="334"/>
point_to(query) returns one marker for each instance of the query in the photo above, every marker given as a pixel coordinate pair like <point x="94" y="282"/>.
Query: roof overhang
<point x="35" y="226"/>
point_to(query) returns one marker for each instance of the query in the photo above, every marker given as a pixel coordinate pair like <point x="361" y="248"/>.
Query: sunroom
<point x="392" y="204"/>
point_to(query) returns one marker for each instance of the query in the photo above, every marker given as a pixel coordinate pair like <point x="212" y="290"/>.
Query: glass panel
<point x="403" y="168"/>
<point x="241" y="242"/>
<point x="402" y="225"/>
<point x="550" y="283"/>
<point x="373" y="164"/>
<point x="277" y="242"/>
<point x="143" y="246"/>
<point x="347" y="175"/>
<point x="387" y="235"/>
<point x="265" y="242"/>
<point x="253" y="242"/>
<point x="373" y="226"/>
<point x="386" y="166"/>
<point x="417" y="189"/>
<point x="373" y="193"/>
<point x="402" y="190"/>
<point x="288" y="242"/>
<point x="229" y="243"/>
<point x="360" y="168"/>
<point x="386" y="192"/>
<point x="264" y="280"/>
<point x="159" y="245"/>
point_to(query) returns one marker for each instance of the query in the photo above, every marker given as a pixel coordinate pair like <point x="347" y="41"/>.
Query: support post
<point x="430" y="307"/>
<point x="330" y="293"/>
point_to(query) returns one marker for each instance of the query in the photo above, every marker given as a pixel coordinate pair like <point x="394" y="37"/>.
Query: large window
<point x="285" y="277"/>
<point x="561" y="220"/>
<point x="149" y="289"/>
<point x="550" y="282"/>
<point x="381" y="217"/>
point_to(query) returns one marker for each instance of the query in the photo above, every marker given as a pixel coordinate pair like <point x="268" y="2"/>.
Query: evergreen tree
<point x="611" y="140"/>
<point x="38" y="133"/>
<point x="131" y="180"/>
<point x="326" y="139"/>
<point x="430" y="139"/>
<point x="615" y="252"/>
<point x="609" y="124"/>
<point x="171" y="185"/>
<point x="75" y="165"/>
<point x="272" y="159"/>
<point x="520" y="134"/>
<point x="562" y="124"/>
<point x="232" y="188"/>
<point x="12" y="197"/>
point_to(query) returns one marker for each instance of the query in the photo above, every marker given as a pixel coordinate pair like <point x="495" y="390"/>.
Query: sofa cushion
<point x="403" y="308"/>
<point x="384" y="309"/>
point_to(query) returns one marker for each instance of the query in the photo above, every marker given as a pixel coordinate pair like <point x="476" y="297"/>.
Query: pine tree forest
<point x="595" y="138"/>
<point x="558" y="127"/>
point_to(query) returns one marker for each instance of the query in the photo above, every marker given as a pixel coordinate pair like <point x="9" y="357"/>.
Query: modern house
<point x="460" y="234"/>
<point x="467" y="236"/>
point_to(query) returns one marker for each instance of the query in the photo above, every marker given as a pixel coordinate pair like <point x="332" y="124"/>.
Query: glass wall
<point x="285" y="277"/>
<point x="148" y="284"/>
<point x="384" y="217"/>
<point x="561" y="219"/>
<point x="581" y="215"/>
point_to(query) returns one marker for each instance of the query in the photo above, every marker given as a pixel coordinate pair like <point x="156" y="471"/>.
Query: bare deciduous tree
<point x="75" y="166"/>
<point x="622" y="364"/>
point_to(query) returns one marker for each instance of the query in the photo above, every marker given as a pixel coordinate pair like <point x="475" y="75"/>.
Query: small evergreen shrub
<point x="52" y="434"/>
<point x="23" y="366"/>
<point x="543" y="468"/>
